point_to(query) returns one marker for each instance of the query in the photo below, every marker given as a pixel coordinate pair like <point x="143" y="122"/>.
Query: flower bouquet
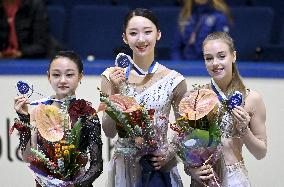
<point x="133" y="121"/>
<point x="199" y="137"/>
<point x="56" y="158"/>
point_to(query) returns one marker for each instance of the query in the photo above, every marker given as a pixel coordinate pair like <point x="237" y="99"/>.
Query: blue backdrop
<point x="193" y="68"/>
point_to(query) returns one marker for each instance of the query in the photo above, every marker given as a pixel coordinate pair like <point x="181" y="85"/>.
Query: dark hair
<point x="146" y="13"/>
<point x="70" y="55"/>
<point x="236" y="83"/>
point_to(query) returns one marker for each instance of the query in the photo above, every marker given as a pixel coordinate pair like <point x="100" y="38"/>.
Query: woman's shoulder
<point x="253" y="95"/>
<point x="167" y="71"/>
<point x="253" y="99"/>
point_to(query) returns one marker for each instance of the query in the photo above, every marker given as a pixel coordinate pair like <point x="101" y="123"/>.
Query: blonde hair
<point x="188" y="6"/>
<point x="236" y="82"/>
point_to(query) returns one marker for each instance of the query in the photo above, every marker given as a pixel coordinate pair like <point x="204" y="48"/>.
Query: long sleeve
<point x="25" y="132"/>
<point x="95" y="150"/>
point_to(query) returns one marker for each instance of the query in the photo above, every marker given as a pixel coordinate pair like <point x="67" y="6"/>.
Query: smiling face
<point x="219" y="60"/>
<point x="141" y="35"/>
<point x="64" y="77"/>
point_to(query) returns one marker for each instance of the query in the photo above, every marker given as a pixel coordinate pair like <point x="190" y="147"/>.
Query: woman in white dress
<point x="158" y="88"/>
<point x="243" y="125"/>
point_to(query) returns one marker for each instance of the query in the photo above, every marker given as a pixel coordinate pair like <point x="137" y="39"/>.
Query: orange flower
<point x="125" y="103"/>
<point x="47" y="119"/>
<point x="198" y="104"/>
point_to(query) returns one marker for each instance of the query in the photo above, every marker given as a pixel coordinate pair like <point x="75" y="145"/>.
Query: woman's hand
<point x="20" y="105"/>
<point x="117" y="76"/>
<point x="242" y="118"/>
<point x="200" y="174"/>
<point x="161" y="157"/>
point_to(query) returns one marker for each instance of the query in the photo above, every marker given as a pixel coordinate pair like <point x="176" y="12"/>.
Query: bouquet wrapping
<point x="199" y="137"/>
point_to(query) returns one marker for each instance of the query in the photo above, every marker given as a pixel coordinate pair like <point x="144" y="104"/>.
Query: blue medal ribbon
<point x="124" y="61"/>
<point x="152" y="69"/>
<point x="234" y="100"/>
<point x="45" y="101"/>
<point x="49" y="101"/>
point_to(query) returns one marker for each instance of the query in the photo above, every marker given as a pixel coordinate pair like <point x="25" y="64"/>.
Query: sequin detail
<point x="227" y="126"/>
<point x="236" y="166"/>
<point x="156" y="94"/>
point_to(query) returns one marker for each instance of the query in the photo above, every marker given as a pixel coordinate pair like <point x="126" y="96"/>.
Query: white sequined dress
<point x="155" y="94"/>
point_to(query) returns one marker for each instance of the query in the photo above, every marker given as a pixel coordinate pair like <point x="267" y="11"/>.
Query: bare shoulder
<point x="254" y="103"/>
<point x="254" y="97"/>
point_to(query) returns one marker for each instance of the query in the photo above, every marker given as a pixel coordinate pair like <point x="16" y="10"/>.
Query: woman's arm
<point x="95" y="149"/>
<point x="178" y="94"/>
<point x="251" y="124"/>
<point x="25" y="134"/>
<point x="26" y="140"/>
<point x="111" y="80"/>
<point x="107" y="123"/>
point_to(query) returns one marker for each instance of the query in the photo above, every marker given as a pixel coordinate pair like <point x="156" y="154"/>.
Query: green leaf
<point x="72" y="171"/>
<point x="76" y="132"/>
<point x="112" y="116"/>
<point x="202" y="135"/>
<point x="215" y="133"/>
<point x="72" y="166"/>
